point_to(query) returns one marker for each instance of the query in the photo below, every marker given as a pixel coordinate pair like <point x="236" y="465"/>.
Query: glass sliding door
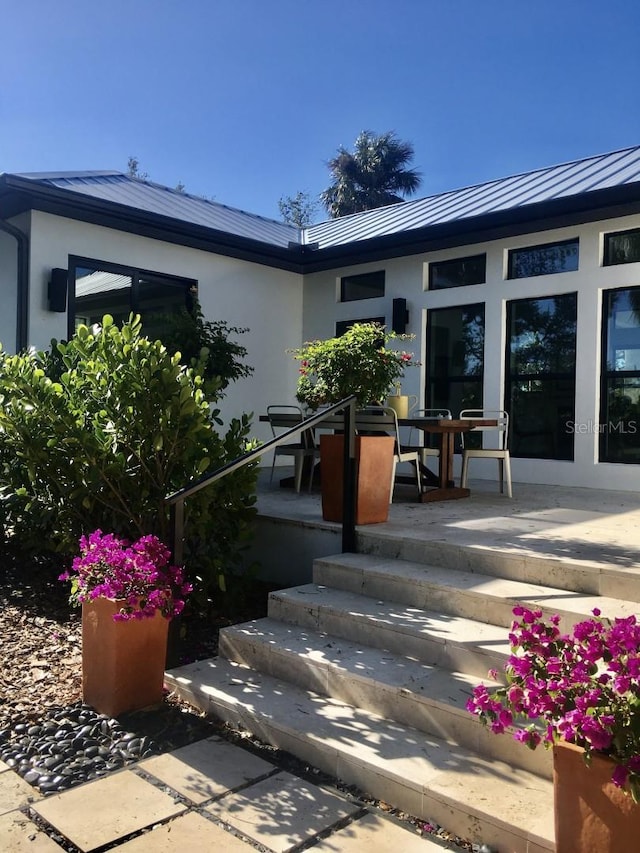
<point x="620" y="395"/>
<point x="541" y="383"/>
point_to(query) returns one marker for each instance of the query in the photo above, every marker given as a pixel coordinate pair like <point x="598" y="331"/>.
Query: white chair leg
<point x="465" y="470"/>
<point x="393" y="479"/>
<point x="418" y="477"/>
<point x="507" y="466"/>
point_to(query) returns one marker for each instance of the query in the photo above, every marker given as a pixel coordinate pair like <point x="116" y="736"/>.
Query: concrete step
<point x="392" y="686"/>
<point x="462" y="593"/>
<point x="426" y="776"/>
<point x="451" y="642"/>
<point x="614" y="576"/>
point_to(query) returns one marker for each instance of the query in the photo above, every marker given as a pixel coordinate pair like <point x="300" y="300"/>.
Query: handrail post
<point x="349" y="480"/>
<point x="176" y="524"/>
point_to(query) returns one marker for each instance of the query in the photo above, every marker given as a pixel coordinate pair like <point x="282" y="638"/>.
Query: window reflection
<point x="619" y="425"/>
<point x="455" y="357"/>
<point x="540" y="390"/>
<point x="109" y="289"/>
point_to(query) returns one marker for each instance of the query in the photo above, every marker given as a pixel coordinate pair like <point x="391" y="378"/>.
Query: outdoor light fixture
<point x="57" y="291"/>
<point x="399" y="316"/>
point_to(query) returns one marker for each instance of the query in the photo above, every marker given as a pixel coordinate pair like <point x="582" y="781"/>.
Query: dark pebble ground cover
<point x="47" y="735"/>
<point x="54" y="741"/>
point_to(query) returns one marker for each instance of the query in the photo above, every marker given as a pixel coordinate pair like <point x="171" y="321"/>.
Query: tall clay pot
<point x="592" y="815"/>
<point x="374" y="468"/>
<point x="123" y="663"/>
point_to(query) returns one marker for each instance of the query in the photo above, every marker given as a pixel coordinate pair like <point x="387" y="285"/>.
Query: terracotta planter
<point x="374" y="467"/>
<point x="123" y="663"/>
<point x="592" y="815"/>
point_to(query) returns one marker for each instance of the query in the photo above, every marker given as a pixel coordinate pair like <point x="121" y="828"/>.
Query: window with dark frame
<point x="619" y="427"/>
<point x="455" y="358"/>
<point x="541" y="376"/>
<point x="101" y="288"/>
<point x="344" y="325"/>
<point x="621" y="247"/>
<point x="368" y="285"/>
<point x="458" y="272"/>
<point x="544" y="259"/>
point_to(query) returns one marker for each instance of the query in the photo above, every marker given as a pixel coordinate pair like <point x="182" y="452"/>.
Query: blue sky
<point x="246" y="100"/>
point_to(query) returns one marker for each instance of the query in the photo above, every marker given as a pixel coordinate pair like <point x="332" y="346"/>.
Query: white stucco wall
<point x="267" y="301"/>
<point x="407" y="277"/>
<point x="9" y="281"/>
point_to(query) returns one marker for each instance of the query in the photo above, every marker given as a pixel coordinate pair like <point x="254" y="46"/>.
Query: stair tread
<point x="425" y="763"/>
<point x="547" y="598"/>
<point x="423" y="681"/>
<point x="443" y="628"/>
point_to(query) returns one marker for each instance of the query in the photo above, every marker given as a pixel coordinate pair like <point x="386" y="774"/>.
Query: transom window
<point x="458" y="272"/>
<point x="102" y="288"/>
<point x="619" y="425"/>
<point x="622" y="247"/>
<point x="541" y="376"/>
<point x="543" y="260"/>
<point x="367" y="285"/>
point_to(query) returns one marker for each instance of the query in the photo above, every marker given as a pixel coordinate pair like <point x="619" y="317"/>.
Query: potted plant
<point x="359" y="362"/>
<point x="128" y="593"/>
<point x="582" y="692"/>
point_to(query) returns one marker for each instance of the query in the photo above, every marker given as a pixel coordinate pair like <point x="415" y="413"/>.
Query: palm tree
<point x="372" y="176"/>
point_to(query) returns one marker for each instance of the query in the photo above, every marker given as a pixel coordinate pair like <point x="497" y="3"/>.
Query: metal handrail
<point x="175" y="501"/>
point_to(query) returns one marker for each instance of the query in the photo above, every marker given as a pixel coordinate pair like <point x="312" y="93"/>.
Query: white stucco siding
<point x="408" y="277"/>
<point x="266" y="300"/>
<point x="8" y="290"/>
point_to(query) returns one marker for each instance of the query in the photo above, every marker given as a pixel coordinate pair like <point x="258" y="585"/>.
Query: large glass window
<point x="458" y="272"/>
<point x="543" y="260"/>
<point x="365" y="286"/>
<point x="622" y="247"/>
<point x="541" y="382"/>
<point x="102" y="288"/>
<point x="620" y="398"/>
<point x="455" y="357"/>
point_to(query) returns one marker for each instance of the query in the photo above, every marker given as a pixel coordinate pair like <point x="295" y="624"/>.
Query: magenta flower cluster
<point x="582" y="687"/>
<point x="139" y="575"/>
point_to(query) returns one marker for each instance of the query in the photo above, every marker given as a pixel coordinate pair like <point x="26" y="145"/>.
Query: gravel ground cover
<point x="55" y="742"/>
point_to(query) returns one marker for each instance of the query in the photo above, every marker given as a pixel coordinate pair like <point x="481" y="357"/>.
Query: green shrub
<point x="95" y="434"/>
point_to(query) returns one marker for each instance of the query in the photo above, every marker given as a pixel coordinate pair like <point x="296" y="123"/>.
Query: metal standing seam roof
<point x="579" y="177"/>
<point x="555" y="182"/>
<point x="157" y="199"/>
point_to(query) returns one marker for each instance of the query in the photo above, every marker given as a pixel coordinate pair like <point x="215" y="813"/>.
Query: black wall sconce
<point x="399" y="316"/>
<point x="57" y="291"/>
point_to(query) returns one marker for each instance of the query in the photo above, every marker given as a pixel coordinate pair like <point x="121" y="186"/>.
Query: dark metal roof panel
<point x="157" y="199"/>
<point x="575" y="178"/>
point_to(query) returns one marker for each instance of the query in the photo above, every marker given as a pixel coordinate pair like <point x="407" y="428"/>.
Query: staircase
<point x="365" y="673"/>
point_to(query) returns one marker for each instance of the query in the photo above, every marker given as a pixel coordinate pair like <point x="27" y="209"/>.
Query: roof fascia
<point x="21" y="195"/>
<point x="545" y="216"/>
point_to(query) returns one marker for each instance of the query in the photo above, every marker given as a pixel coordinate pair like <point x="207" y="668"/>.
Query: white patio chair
<point x="501" y="452"/>
<point x="282" y="418"/>
<point x="418" y="443"/>
<point x="382" y="419"/>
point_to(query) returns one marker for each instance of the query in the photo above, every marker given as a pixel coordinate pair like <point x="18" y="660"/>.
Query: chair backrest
<point x="283" y="417"/>
<point x="498" y="415"/>
<point x="424" y="439"/>
<point x="378" y="419"/>
<point x="432" y="414"/>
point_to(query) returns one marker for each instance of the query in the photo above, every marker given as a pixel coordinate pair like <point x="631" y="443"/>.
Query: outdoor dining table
<point x="443" y="487"/>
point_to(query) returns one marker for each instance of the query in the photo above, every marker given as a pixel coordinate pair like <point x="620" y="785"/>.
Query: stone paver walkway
<point x="210" y="795"/>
